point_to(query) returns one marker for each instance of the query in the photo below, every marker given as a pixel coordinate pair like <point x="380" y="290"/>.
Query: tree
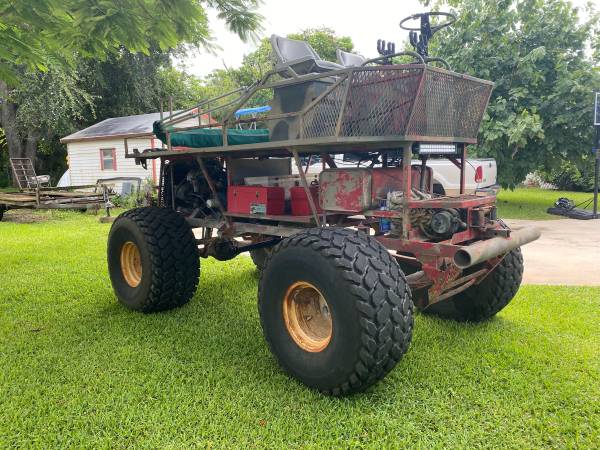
<point x="183" y="88"/>
<point x="61" y="60"/>
<point x="324" y="41"/>
<point x="536" y="53"/>
<point x="256" y="64"/>
<point x="48" y="105"/>
<point x="42" y="107"/>
<point x="39" y="34"/>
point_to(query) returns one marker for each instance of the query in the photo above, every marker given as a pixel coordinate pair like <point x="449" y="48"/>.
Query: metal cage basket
<point x="419" y="102"/>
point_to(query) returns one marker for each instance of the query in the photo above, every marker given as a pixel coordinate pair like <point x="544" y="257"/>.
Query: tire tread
<point x="174" y="256"/>
<point x="382" y="296"/>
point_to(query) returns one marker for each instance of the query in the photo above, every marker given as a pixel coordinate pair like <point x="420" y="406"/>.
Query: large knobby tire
<point x="152" y="259"/>
<point x="2" y="209"/>
<point x="335" y="309"/>
<point x="484" y="300"/>
<point x="259" y="257"/>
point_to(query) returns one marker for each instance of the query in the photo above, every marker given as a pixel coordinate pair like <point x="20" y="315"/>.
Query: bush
<point x="126" y="201"/>
<point x="146" y="197"/>
<point x="569" y="177"/>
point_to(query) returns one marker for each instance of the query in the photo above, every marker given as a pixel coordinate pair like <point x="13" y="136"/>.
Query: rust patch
<point x="345" y="189"/>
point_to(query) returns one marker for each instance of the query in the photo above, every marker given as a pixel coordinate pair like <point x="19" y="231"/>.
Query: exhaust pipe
<point x="484" y="250"/>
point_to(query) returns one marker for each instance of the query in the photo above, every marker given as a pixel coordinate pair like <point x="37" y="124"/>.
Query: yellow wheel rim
<point x="131" y="264"/>
<point x="307" y="317"/>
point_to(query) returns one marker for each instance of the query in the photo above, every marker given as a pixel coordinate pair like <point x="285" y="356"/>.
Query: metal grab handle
<point x="436" y="59"/>
<point x="408" y="53"/>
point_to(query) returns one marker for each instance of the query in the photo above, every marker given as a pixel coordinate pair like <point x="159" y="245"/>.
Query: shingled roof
<point x="116" y="127"/>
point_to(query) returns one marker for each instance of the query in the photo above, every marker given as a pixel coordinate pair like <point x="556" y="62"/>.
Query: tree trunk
<point x="18" y="145"/>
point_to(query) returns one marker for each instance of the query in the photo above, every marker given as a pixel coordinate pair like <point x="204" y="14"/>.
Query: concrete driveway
<point x="568" y="252"/>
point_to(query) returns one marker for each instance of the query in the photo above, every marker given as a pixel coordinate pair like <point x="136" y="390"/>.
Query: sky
<point x="364" y="22"/>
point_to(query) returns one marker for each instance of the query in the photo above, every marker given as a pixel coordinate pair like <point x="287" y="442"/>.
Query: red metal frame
<point x="437" y="277"/>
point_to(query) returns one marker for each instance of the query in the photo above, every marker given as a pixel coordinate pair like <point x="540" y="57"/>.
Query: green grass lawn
<point x="532" y="203"/>
<point x="78" y="370"/>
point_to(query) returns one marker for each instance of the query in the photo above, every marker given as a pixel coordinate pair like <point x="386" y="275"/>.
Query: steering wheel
<point x="451" y="18"/>
<point x="420" y="42"/>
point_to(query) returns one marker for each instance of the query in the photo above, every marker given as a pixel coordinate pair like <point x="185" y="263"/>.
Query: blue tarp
<point x="256" y="110"/>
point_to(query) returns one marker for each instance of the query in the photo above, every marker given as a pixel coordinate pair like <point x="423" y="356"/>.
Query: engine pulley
<point x="444" y="222"/>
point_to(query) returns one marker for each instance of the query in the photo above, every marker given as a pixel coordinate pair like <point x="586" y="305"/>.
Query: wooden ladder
<point x="24" y="173"/>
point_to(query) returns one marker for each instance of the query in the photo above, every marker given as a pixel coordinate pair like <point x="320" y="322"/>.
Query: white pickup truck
<point x="480" y="174"/>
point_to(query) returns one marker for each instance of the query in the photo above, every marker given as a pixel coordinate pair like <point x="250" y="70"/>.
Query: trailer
<point x="345" y="255"/>
<point x="35" y="193"/>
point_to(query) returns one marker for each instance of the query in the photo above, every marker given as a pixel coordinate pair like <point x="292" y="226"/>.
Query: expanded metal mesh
<point x="449" y="106"/>
<point x="321" y="120"/>
<point x="406" y="101"/>
<point x="379" y="102"/>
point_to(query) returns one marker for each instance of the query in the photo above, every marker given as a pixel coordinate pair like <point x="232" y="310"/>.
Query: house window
<point x="108" y="160"/>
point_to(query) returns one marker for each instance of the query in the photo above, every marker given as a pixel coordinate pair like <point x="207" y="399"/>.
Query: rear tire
<point x="152" y="259"/>
<point x="2" y="209"/>
<point x="259" y="257"/>
<point x="335" y="309"/>
<point x="484" y="300"/>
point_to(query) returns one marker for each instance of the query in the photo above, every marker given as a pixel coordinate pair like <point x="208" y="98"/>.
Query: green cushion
<point x="210" y="137"/>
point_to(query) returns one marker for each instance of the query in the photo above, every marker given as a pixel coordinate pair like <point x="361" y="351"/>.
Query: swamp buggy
<point x="345" y="254"/>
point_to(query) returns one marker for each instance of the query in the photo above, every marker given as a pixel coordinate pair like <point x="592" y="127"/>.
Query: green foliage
<point x="39" y="34"/>
<point x="256" y="64"/>
<point x="52" y="101"/>
<point x="124" y="83"/>
<point x="147" y="196"/>
<point x="570" y="177"/>
<point x="185" y="89"/>
<point x="80" y="371"/>
<point x="535" y="51"/>
<point x="324" y="41"/>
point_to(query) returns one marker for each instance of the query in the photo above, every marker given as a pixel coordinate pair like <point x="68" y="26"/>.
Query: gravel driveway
<point x="568" y="252"/>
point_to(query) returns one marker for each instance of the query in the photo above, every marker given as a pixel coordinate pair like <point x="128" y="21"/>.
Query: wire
<point x="586" y="202"/>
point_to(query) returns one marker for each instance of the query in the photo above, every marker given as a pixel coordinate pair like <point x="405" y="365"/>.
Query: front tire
<point x="259" y="257"/>
<point x="152" y="259"/>
<point x="484" y="300"/>
<point x="335" y="308"/>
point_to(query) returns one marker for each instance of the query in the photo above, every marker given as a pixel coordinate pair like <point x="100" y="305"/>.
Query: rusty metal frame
<point x="436" y="273"/>
<point x="309" y="197"/>
<point x="318" y="145"/>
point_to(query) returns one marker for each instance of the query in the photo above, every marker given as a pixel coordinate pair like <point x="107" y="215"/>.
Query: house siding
<point x="85" y="161"/>
<point x="85" y="165"/>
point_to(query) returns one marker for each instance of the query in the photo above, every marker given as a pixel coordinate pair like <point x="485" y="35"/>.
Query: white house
<point x="98" y="152"/>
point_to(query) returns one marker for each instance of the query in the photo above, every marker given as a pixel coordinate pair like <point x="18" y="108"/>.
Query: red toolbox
<point x="300" y="205"/>
<point x="259" y="200"/>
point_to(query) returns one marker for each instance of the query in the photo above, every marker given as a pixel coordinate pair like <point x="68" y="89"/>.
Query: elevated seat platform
<point x="209" y="137"/>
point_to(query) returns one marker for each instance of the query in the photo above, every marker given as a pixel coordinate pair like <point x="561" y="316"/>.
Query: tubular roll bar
<point x="238" y="98"/>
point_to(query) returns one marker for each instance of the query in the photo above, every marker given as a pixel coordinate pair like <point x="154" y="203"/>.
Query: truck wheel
<point x="484" y="300"/>
<point x="335" y="309"/>
<point x="259" y="257"/>
<point x="152" y="259"/>
<point x="2" y="209"/>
